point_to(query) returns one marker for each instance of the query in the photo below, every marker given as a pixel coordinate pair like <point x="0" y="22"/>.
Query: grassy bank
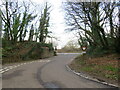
<point x="25" y="51"/>
<point x="104" y="68"/>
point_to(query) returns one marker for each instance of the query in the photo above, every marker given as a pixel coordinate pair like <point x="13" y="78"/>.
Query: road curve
<point x="53" y="74"/>
<point x="23" y="76"/>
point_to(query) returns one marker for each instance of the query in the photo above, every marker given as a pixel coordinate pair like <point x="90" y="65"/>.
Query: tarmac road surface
<point x="47" y="73"/>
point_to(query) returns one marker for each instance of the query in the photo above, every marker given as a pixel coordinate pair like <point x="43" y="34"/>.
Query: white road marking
<point x="24" y="63"/>
<point x="5" y="69"/>
<point x="14" y="66"/>
<point x="1" y="70"/>
<point x="18" y="65"/>
<point x="21" y="64"/>
<point x="11" y="68"/>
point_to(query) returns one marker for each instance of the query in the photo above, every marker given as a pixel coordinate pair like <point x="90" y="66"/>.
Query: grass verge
<point x="104" y="68"/>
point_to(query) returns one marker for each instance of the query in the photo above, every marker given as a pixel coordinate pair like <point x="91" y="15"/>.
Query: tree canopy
<point x="96" y="23"/>
<point x="19" y="23"/>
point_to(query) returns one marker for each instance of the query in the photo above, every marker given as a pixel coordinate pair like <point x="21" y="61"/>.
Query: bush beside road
<point x="26" y="51"/>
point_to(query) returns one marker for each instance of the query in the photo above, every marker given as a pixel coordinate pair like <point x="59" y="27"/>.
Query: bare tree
<point x="16" y="22"/>
<point x="90" y="18"/>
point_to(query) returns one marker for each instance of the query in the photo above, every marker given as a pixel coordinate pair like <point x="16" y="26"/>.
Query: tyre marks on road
<point x="5" y="69"/>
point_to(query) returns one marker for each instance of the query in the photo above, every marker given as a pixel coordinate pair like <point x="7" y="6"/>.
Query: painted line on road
<point x="18" y="65"/>
<point x="21" y="64"/>
<point x="5" y="69"/>
<point x="1" y="70"/>
<point x="14" y="66"/>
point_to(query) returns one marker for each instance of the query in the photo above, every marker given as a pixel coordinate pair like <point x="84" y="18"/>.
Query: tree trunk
<point x="0" y="24"/>
<point x="111" y="26"/>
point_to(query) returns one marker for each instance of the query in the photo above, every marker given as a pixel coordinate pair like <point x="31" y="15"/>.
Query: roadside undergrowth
<point x="26" y="51"/>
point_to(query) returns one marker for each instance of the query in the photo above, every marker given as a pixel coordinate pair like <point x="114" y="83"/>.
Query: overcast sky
<point x="57" y="22"/>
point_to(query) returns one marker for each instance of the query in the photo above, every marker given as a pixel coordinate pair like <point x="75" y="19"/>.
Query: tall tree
<point x="109" y="8"/>
<point x="15" y="22"/>
<point x="0" y="24"/>
<point x="91" y="18"/>
<point x="31" y="33"/>
<point x="44" y="24"/>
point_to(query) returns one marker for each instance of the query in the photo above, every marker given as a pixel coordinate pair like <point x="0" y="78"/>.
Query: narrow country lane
<point x="56" y="75"/>
<point x="23" y="76"/>
<point x="52" y="74"/>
